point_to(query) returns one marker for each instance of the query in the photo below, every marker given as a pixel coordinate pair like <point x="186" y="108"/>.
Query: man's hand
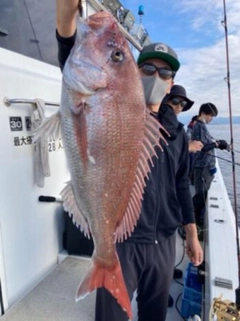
<point x="195" y="146"/>
<point x="193" y="246"/>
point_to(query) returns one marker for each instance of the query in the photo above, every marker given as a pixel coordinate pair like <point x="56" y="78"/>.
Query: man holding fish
<point x="145" y="231"/>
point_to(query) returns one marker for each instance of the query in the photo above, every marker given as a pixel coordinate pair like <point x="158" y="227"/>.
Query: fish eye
<point x="117" y="55"/>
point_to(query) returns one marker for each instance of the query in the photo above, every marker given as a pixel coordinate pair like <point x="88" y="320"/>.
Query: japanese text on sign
<point x="53" y="144"/>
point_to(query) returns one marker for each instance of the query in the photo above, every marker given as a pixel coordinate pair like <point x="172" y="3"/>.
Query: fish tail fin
<point x="111" y="278"/>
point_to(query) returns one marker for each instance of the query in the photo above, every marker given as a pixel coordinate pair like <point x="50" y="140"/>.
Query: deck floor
<point x="53" y="298"/>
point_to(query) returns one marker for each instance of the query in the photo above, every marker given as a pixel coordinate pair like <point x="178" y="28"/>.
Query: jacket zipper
<point x="157" y="216"/>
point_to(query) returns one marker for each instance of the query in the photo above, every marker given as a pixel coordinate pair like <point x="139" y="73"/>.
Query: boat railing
<point x="9" y="101"/>
<point x="98" y="6"/>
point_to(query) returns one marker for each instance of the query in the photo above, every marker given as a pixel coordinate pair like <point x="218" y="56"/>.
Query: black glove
<point x="222" y="144"/>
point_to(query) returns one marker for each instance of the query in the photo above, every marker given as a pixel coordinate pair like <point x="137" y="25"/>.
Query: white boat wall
<point x="31" y="232"/>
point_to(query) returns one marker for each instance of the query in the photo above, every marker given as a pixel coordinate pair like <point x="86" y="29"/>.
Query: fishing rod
<point x="1" y="301"/>
<point x="224" y="23"/>
<point x="226" y="160"/>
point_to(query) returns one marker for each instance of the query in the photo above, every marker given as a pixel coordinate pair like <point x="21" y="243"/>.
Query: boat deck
<point x="53" y="298"/>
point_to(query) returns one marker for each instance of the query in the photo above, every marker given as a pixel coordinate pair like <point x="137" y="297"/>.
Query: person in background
<point x="147" y="257"/>
<point x="192" y="146"/>
<point x="204" y="163"/>
<point x="190" y="127"/>
<point x="180" y="103"/>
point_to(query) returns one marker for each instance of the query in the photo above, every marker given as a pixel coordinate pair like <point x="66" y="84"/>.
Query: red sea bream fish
<point x="109" y="138"/>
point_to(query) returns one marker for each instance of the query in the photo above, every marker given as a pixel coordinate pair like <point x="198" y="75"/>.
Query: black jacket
<point x="206" y="157"/>
<point x="167" y="200"/>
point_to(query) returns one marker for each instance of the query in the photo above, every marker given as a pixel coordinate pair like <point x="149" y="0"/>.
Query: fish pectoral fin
<point x="152" y="137"/>
<point x="80" y="126"/>
<point x="50" y="127"/>
<point x="70" y="206"/>
<point x="111" y="278"/>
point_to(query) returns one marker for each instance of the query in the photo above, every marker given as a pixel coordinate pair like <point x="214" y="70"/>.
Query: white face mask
<point x="154" y="89"/>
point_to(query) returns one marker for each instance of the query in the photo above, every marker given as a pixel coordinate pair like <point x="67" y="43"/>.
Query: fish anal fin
<point x="111" y="278"/>
<point x="70" y="206"/>
<point x="50" y="127"/>
<point x="152" y="138"/>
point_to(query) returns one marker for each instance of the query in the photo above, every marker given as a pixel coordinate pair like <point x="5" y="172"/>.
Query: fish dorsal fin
<point x="151" y="139"/>
<point x="70" y="206"/>
<point x="50" y="127"/>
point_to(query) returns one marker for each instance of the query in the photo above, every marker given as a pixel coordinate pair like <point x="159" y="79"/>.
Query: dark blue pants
<point x="147" y="268"/>
<point x="202" y="180"/>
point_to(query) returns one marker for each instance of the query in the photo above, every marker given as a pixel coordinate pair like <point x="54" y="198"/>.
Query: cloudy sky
<point x="193" y="28"/>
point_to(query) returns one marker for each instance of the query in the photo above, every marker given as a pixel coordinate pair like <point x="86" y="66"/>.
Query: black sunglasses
<point x="176" y="101"/>
<point x="150" y="69"/>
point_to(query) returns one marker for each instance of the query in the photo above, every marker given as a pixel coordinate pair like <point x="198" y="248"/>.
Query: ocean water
<point x="223" y="132"/>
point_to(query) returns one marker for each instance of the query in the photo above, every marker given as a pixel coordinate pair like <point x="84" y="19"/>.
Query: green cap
<point x="159" y="51"/>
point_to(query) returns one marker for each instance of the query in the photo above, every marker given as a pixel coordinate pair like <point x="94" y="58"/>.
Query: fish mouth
<point x="101" y="15"/>
<point x="95" y="21"/>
